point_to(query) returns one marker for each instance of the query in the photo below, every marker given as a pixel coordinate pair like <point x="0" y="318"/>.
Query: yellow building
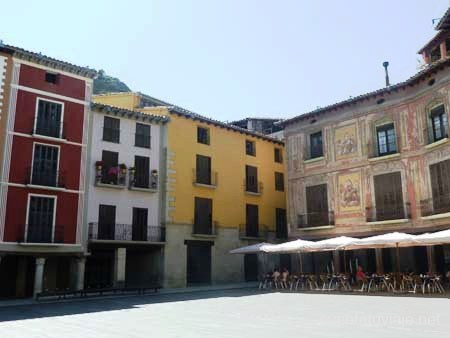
<point x="224" y="189"/>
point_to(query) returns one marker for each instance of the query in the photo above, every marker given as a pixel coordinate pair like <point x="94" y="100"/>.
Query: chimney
<point x="385" y="65"/>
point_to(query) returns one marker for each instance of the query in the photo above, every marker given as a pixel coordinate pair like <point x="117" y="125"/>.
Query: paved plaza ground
<point x="232" y="314"/>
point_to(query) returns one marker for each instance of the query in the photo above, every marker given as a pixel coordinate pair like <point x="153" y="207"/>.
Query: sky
<point x="232" y="59"/>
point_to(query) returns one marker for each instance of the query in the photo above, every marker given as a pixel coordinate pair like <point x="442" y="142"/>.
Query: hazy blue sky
<point x="232" y="59"/>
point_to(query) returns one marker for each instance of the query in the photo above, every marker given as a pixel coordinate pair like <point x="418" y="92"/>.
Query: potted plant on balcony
<point x="154" y="182"/>
<point x="99" y="165"/>
<point x="123" y="168"/>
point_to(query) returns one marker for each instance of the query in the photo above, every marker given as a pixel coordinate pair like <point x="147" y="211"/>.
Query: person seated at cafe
<point x="276" y="273"/>
<point x="360" y="275"/>
<point x="284" y="277"/>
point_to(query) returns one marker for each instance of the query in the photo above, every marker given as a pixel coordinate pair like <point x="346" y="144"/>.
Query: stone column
<point x="443" y="49"/>
<point x="120" y="259"/>
<point x="379" y="260"/>
<point x="80" y="264"/>
<point x="430" y="259"/>
<point x="38" y="275"/>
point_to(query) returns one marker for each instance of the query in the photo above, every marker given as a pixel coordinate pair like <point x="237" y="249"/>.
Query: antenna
<point x="385" y="65"/>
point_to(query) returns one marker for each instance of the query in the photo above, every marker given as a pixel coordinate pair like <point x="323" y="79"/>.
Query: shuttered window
<point x="142" y="174"/>
<point x="40" y="219"/>
<point x="111" y="129"/>
<point x="142" y="136"/>
<point x="45" y="165"/>
<point x="389" y="197"/>
<point x="278" y="155"/>
<point x="317" y="205"/>
<point x="440" y="185"/>
<point x="48" y="120"/>
<point x="279" y="181"/>
<point x="251" y="179"/>
<point x="252" y="220"/>
<point x="203" y="169"/>
<point x="203" y="216"/>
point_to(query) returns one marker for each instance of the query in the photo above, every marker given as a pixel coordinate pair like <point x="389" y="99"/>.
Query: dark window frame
<point x="251" y="181"/>
<point x="45" y="169"/>
<point x="203" y="169"/>
<point x="384" y="129"/>
<point x="203" y="215"/>
<point x="279" y="181"/>
<point x="142" y="136"/>
<point x="440" y="113"/>
<point x="111" y="129"/>
<point x="142" y="175"/>
<point x="317" y="206"/>
<point x="250" y="147"/>
<point x="278" y="155"/>
<point x="203" y="135"/>
<point x="41" y="223"/>
<point x="315" y="148"/>
<point x="388" y="194"/>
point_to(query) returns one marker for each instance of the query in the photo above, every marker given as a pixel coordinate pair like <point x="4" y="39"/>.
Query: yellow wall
<point x="228" y="159"/>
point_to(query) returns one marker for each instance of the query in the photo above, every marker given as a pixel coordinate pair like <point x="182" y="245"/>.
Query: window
<point x="317" y="205"/>
<point x="438" y="123"/>
<point x="251" y="179"/>
<point x="203" y="216"/>
<point x="278" y="155"/>
<point x="45" y="165"/>
<point x="110" y="167"/>
<point x="388" y="197"/>
<point x="440" y="186"/>
<point x="111" y="129"/>
<point x="142" y="174"/>
<point x="279" y="181"/>
<point x="202" y="135"/>
<point x="106" y="222"/>
<point x="252" y="220"/>
<point x="48" y="119"/>
<point x="316" y="147"/>
<point x="139" y="225"/>
<point x="203" y="170"/>
<point x="281" y="224"/>
<point x="386" y="140"/>
<point x="250" y="148"/>
<point x="41" y="212"/>
<point x="51" y="78"/>
<point x="142" y="136"/>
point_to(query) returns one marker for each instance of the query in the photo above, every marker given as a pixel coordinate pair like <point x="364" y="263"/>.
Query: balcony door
<point x="110" y="170"/>
<point x="203" y="216"/>
<point x="48" y="120"/>
<point x="389" y="197"/>
<point x="106" y="221"/>
<point x="440" y="185"/>
<point x="203" y="169"/>
<point x="139" y="231"/>
<point x="252" y="220"/>
<point x="45" y="165"/>
<point x="251" y="178"/>
<point x="142" y="176"/>
<point x="41" y="211"/>
<point x="317" y="205"/>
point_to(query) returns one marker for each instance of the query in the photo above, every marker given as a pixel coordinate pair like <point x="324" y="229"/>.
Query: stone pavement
<point x="237" y="313"/>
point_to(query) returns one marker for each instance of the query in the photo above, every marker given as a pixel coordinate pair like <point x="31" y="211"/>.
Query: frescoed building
<point x="225" y="189"/>
<point x="42" y="182"/>
<point x="376" y="163"/>
<point x="125" y="236"/>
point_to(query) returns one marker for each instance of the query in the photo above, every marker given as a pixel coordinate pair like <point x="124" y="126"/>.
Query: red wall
<point x="66" y="213"/>
<point x="26" y="114"/>
<point x="35" y="78"/>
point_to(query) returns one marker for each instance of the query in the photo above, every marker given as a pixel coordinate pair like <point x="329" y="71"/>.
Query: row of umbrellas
<point x="393" y="239"/>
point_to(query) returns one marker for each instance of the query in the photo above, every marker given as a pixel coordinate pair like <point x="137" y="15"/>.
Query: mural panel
<point x="349" y="192"/>
<point x="346" y="144"/>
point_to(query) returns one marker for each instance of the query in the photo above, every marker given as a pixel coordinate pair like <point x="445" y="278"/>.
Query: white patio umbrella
<point x="251" y="249"/>
<point x="336" y="243"/>
<point x="435" y="238"/>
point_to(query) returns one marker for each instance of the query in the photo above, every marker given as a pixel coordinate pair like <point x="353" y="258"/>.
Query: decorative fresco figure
<point x="349" y="186"/>
<point x="346" y="143"/>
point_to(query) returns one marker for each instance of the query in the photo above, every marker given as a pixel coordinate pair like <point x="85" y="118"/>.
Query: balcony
<point x="45" y="178"/>
<point x="436" y="205"/>
<point x="253" y="188"/>
<point x="113" y="177"/>
<point x="391" y="213"/>
<point x="49" y="128"/>
<point x="143" y="181"/>
<point x="315" y="219"/>
<point x="41" y="233"/>
<point x="253" y="231"/>
<point x="204" y="230"/>
<point x="204" y="181"/>
<point x="127" y="232"/>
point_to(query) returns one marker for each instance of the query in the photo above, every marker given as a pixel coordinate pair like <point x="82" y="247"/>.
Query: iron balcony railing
<point x="41" y="233"/>
<point x="257" y="231"/>
<point x="254" y="187"/>
<point x="115" y="176"/>
<point x="45" y="177"/>
<point x="127" y="232"/>
<point x="388" y="213"/>
<point x="315" y="219"/>
<point x="439" y="204"/>
<point x="49" y="128"/>
<point x="199" y="178"/>
<point x="143" y="180"/>
<point x="204" y="229"/>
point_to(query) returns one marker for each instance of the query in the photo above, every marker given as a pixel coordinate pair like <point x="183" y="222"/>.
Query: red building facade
<point x="43" y="175"/>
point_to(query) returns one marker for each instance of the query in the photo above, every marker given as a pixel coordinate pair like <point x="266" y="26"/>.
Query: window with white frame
<point x="45" y="165"/>
<point x="40" y="220"/>
<point x="48" y="121"/>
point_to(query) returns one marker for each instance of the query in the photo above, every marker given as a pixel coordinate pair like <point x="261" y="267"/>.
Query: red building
<point x="43" y="175"/>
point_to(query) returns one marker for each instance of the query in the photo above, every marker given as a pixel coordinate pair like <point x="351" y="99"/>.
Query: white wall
<point x="123" y="199"/>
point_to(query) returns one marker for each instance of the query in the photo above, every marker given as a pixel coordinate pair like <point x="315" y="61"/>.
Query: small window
<point x="142" y="136"/>
<point x="438" y="123"/>
<point x="278" y="155"/>
<point x="386" y="140"/>
<point x="250" y="148"/>
<point x="51" y="78"/>
<point x="279" y="181"/>
<point x="202" y="135"/>
<point x="111" y="129"/>
<point x="316" y="147"/>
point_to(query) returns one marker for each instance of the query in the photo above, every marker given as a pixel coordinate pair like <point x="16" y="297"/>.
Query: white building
<point x="125" y="235"/>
